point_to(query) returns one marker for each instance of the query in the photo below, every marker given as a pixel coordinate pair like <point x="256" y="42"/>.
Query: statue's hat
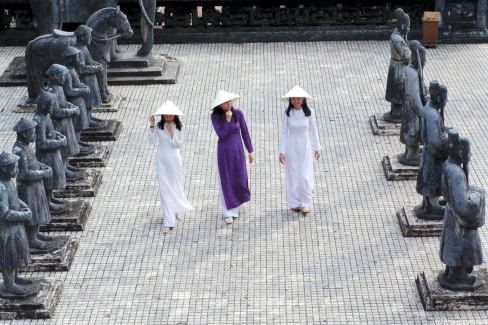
<point x="44" y="96"/>
<point x="223" y="97"/>
<point x="7" y="159"/>
<point x="83" y="30"/>
<point x="168" y="108"/>
<point x="24" y="124"/>
<point x="70" y="50"/>
<point x="296" y="92"/>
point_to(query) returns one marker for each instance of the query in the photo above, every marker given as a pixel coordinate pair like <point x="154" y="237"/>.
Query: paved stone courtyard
<point x="347" y="263"/>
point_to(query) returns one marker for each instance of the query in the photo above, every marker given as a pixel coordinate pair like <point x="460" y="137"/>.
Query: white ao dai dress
<point x="299" y="140"/>
<point x="170" y="173"/>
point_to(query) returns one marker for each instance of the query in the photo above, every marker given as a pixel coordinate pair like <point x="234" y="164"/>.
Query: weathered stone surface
<point x="72" y="220"/>
<point x="58" y="260"/>
<point x="412" y="226"/>
<point x="109" y="133"/>
<point x="381" y="127"/>
<point x="86" y="187"/>
<point x="41" y="306"/>
<point x="111" y="106"/>
<point x="98" y="159"/>
<point x="436" y="298"/>
<point x="395" y="171"/>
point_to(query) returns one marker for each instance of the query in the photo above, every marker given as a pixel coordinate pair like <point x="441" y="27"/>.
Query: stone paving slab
<point x="346" y="263"/>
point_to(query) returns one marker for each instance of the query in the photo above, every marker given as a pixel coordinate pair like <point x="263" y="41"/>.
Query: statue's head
<point x="26" y="130"/>
<point x="45" y="102"/>
<point x="438" y="94"/>
<point x="402" y="21"/>
<point x="70" y="55"/>
<point x="122" y="24"/>
<point x="459" y="147"/>
<point x="8" y="165"/>
<point x="418" y="51"/>
<point x="83" y="34"/>
<point x="57" y="74"/>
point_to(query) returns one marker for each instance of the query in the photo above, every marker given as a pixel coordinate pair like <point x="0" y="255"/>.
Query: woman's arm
<point x="221" y="126"/>
<point x="246" y="137"/>
<point x="314" y="134"/>
<point x="177" y="139"/>
<point x="283" y="133"/>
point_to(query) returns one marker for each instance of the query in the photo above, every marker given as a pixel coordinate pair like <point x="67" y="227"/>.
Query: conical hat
<point x="297" y="91"/>
<point x="223" y="97"/>
<point x="168" y="108"/>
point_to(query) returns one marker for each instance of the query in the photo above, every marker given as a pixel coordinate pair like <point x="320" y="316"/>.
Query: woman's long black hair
<point x="220" y="112"/>
<point x="176" y="120"/>
<point x="305" y="108"/>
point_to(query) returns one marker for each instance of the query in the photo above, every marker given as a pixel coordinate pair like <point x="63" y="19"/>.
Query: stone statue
<point x="400" y="57"/>
<point x="461" y="247"/>
<point x="62" y="118"/>
<point x="90" y="71"/>
<point x="46" y="50"/>
<point x="30" y="185"/>
<point x="148" y="14"/>
<point x="14" y="246"/>
<point x="49" y="143"/>
<point x="415" y="99"/>
<point x="75" y="91"/>
<point x="434" y="138"/>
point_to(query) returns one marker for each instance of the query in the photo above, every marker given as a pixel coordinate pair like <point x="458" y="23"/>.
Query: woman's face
<point x="168" y="118"/>
<point x="297" y="102"/>
<point x="226" y="106"/>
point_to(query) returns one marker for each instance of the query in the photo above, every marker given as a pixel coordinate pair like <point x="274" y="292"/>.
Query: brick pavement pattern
<point x="347" y="263"/>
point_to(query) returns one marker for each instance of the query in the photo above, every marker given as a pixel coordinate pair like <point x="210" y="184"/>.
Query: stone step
<point x="134" y="72"/>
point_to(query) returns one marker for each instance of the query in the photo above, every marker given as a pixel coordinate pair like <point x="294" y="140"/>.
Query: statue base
<point x="41" y="306"/>
<point x="85" y="187"/>
<point x="97" y="159"/>
<point x="130" y="69"/>
<point x="72" y="220"/>
<point x="111" y="106"/>
<point x="58" y="260"/>
<point x="109" y="133"/>
<point x="412" y="226"/>
<point x="436" y="298"/>
<point x="25" y="107"/>
<point x="381" y="127"/>
<point x="395" y="171"/>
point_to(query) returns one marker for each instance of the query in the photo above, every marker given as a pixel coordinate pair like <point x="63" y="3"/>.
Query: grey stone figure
<point x="148" y="14"/>
<point x="62" y="116"/>
<point x="400" y="57"/>
<point x="49" y="143"/>
<point x="461" y="248"/>
<point x="415" y="99"/>
<point x="75" y="91"/>
<point x="14" y="246"/>
<point x="30" y="185"/>
<point x="89" y="72"/>
<point x="434" y="138"/>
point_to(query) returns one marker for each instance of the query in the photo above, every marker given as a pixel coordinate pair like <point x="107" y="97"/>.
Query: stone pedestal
<point x="111" y="106"/>
<point x="86" y="187"/>
<point x="58" y="260"/>
<point x="41" y="306"/>
<point x="412" y="226"/>
<point x="72" y="220"/>
<point x="98" y="159"/>
<point x="436" y="298"/>
<point x="109" y="133"/>
<point x="381" y="127"/>
<point x="395" y="171"/>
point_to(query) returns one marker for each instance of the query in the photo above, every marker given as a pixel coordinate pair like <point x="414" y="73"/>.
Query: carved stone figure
<point x="461" y="247"/>
<point x="434" y="138"/>
<point x="62" y="118"/>
<point x="45" y="50"/>
<point x="75" y="91"/>
<point x="14" y="246"/>
<point x="30" y="184"/>
<point x="415" y="99"/>
<point x="49" y="143"/>
<point x="400" y="57"/>
<point x="148" y="14"/>
<point x="90" y="71"/>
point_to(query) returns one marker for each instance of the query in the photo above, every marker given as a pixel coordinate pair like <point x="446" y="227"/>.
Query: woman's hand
<point x="151" y="121"/>
<point x="170" y="128"/>
<point x="317" y="155"/>
<point x="251" y="157"/>
<point x="282" y="158"/>
<point x="228" y="115"/>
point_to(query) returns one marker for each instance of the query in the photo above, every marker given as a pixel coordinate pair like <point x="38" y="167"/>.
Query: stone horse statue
<point x="46" y="50"/>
